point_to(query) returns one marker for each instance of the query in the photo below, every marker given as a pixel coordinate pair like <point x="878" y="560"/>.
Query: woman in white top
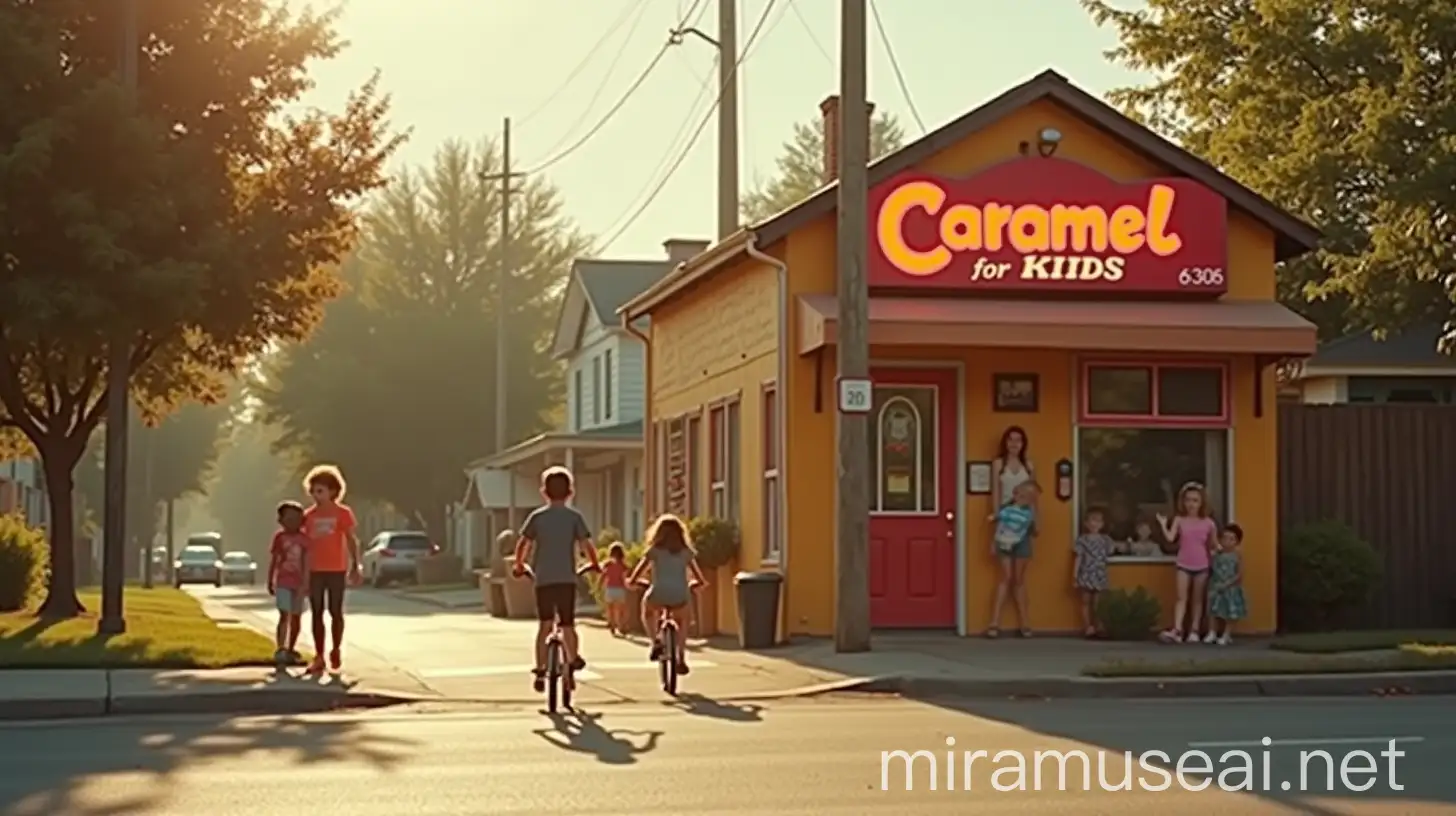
<point x="1011" y="469"/>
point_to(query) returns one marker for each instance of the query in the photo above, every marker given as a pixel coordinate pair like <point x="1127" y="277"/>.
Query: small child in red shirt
<point x="288" y="579"/>
<point x="614" y="588"/>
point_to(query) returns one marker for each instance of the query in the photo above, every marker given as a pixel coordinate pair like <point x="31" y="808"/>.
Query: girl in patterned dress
<point x="1089" y="572"/>
<point x="1226" y="602"/>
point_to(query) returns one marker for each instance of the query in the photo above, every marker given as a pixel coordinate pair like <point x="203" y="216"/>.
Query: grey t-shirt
<point x="669" y="576"/>
<point x="555" y="529"/>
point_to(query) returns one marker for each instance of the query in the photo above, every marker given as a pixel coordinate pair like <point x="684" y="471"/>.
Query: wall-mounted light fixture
<point x="1047" y="141"/>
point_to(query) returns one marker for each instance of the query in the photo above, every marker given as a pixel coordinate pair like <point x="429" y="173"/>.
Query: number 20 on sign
<point x="855" y="395"/>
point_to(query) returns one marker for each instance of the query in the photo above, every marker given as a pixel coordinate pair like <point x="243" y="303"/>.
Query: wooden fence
<point x="1389" y="471"/>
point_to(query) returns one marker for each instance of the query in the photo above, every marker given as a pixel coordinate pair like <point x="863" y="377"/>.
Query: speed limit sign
<point x="855" y="395"/>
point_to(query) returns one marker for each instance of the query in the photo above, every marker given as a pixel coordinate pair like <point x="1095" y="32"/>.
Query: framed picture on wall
<point x="1015" y="393"/>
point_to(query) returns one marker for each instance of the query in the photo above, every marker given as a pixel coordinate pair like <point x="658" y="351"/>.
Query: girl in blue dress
<point x="1226" y="603"/>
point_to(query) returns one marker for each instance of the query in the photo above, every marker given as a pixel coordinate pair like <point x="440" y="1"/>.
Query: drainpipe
<point x="649" y="456"/>
<point x="781" y="386"/>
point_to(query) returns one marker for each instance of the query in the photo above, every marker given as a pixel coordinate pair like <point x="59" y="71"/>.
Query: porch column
<point x="628" y="488"/>
<point x="570" y="464"/>
<point x="510" y="499"/>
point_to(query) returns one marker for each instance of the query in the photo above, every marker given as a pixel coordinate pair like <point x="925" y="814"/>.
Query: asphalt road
<point x="794" y="757"/>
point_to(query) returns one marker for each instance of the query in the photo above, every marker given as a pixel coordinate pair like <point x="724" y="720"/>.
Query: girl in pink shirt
<point x="1195" y="534"/>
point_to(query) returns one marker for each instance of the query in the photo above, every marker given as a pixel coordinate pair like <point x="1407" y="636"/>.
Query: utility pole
<point x="502" y="284"/>
<point x="118" y="381"/>
<point x="726" y="45"/>
<point x="149" y="532"/>
<point x="852" y="596"/>
<point x="727" y="118"/>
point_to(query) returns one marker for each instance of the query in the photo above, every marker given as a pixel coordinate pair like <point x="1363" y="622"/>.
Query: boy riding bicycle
<point x="549" y="542"/>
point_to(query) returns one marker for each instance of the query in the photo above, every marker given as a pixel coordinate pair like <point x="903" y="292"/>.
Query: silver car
<point x="391" y="556"/>
<point x="239" y="568"/>
<point x="197" y="565"/>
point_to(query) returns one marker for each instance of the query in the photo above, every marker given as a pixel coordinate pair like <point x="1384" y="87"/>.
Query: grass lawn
<point x="166" y="629"/>
<point x="430" y="589"/>
<point x="1405" y="658"/>
<point x="1336" y="642"/>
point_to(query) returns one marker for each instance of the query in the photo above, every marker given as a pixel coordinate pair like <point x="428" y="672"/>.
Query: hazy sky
<point x="456" y="68"/>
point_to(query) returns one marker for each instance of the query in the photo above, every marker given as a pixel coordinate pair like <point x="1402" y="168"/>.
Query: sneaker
<point x="280" y="657"/>
<point x="578" y="664"/>
<point x="336" y="660"/>
<point x="682" y="669"/>
<point x="1171" y="636"/>
<point x="317" y="666"/>
<point x="294" y="658"/>
<point x="1210" y="638"/>
<point x="656" y="654"/>
<point x="1225" y="640"/>
<point x="1192" y="637"/>
<point x="538" y="680"/>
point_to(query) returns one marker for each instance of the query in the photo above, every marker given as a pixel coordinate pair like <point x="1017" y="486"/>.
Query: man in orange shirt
<point x="333" y="559"/>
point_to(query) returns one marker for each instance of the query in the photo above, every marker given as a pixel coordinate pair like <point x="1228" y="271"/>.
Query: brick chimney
<point x="830" y="110"/>
<point x="682" y="250"/>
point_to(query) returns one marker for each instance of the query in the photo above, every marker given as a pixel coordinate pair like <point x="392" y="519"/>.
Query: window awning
<point x="1221" y="327"/>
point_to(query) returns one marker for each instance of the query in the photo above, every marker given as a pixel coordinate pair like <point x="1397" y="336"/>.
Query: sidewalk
<point x="445" y="599"/>
<point x="67" y="693"/>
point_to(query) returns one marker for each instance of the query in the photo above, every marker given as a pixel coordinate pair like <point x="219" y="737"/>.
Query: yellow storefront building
<point x="1042" y="265"/>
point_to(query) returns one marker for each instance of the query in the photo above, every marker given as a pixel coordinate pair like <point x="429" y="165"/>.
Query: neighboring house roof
<point x="1413" y="347"/>
<point x="603" y="287"/>
<point x="1293" y="236"/>
<point x="624" y="436"/>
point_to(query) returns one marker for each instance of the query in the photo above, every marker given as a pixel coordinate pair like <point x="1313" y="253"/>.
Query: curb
<point x="1327" y="685"/>
<point x="263" y="701"/>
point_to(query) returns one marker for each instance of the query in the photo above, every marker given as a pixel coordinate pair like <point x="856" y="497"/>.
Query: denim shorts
<point x="615" y="595"/>
<point x="291" y="601"/>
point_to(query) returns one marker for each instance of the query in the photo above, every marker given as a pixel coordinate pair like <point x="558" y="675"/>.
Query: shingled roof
<point x="1413" y="347"/>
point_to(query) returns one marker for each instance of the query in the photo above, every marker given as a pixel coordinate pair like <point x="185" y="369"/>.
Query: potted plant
<point x="717" y="543"/>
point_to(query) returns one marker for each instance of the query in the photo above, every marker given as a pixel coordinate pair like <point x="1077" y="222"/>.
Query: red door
<point x="913" y="463"/>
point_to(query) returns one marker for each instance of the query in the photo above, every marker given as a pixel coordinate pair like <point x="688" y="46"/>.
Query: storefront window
<point x="1145" y="431"/>
<point x="902" y="450"/>
<point x="1133" y="474"/>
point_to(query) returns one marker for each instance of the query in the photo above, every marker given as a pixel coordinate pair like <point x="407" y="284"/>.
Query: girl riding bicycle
<point x="675" y="574"/>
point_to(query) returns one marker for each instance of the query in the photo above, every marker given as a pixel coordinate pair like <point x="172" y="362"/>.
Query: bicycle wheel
<point x="669" y="660"/>
<point x="553" y="674"/>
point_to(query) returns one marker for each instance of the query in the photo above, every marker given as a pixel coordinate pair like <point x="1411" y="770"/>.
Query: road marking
<point x="1305" y="742"/>
<point x="588" y="674"/>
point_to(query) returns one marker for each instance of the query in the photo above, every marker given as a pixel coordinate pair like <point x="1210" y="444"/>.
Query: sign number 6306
<point x="1201" y="276"/>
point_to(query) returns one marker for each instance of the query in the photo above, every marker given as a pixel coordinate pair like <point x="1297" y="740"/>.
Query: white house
<point x="1405" y="367"/>
<point x="605" y="399"/>
<point x="22" y="490"/>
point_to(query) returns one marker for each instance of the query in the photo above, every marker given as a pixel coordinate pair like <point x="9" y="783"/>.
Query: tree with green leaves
<point x="397" y="386"/>
<point x="800" y="168"/>
<point x="1340" y="112"/>
<point x="197" y="219"/>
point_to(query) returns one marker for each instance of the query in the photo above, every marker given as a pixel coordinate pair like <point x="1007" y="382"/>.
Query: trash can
<point x="758" y="608"/>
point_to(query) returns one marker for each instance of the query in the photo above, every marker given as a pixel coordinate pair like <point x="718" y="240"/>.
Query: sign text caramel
<point x="1057" y="242"/>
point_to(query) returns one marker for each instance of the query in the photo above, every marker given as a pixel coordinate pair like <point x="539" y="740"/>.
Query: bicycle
<point x="560" y="674"/>
<point x="668" y="634"/>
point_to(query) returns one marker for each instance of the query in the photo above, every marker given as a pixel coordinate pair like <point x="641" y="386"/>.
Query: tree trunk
<point x="61" y="600"/>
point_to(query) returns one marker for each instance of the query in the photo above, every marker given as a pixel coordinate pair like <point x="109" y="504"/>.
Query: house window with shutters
<point x="677" y="469"/>
<point x="723" y="454"/>
<point x="772" y="546"/>
<point x="695" y="464"/>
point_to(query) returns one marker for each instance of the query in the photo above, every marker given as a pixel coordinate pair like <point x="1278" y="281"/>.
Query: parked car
<point x="197" y="565"/>
<point x="391" y="556"/>
<point x="239" y="568"/>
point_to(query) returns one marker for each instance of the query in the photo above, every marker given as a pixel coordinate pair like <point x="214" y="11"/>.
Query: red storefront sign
<point x="1048" y="225"/>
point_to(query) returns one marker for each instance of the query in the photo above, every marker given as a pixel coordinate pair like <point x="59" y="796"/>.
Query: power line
<point x="607" y="117"/>
<point x="585" y="61"/>
<point x="606" y="79"/>
<point x="808" y="29"/>
<point x="687" y="149"/>
<point x="678" y="141"/>
<point x="895" y="66"/>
